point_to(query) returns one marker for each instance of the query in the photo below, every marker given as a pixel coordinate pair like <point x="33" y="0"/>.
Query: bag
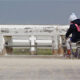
<point x="78" y="27"/>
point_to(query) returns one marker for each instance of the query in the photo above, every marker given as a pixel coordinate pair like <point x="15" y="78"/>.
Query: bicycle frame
<point x="75" y="54"/>
<point x="78" y="49"/>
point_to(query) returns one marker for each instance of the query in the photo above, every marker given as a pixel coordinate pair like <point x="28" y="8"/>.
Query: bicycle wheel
<point x="78" y="52"/>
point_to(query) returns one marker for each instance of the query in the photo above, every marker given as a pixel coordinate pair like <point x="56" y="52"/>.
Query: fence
<point x="55" y="33"/>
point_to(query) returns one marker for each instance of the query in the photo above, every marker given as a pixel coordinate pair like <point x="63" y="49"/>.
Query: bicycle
<point x="75" y="50"/>
<point x="78" y="49"/>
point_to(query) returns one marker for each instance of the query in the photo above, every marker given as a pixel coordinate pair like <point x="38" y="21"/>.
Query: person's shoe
<point x="69" y="52"/>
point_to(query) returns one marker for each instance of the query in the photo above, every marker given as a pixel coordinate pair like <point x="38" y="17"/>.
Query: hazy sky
<point x="37" y="11"/>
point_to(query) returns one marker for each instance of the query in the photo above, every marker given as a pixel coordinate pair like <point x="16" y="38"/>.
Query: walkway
<point x="24" y="68"/>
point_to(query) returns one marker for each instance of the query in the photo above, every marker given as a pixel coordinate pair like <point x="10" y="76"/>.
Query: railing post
<point x="2" y="48"/>
<point x="32" y="44"/>
<point x="55" y="42"/>
<point x="8" y="41"/>
<point x="62" y="45"/>
<point x="60" y="48"/>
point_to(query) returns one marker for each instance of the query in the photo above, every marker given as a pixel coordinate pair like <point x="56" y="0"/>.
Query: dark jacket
<point x="73" y="30"/>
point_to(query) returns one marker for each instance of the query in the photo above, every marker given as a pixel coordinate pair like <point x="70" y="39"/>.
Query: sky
<point x="39" y="12"/>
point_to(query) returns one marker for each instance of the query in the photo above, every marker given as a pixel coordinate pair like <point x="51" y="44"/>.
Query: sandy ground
<point x="24" y="68"/>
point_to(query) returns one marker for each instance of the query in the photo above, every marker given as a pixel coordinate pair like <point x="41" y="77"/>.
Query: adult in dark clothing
<point x="74" y="29"/>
